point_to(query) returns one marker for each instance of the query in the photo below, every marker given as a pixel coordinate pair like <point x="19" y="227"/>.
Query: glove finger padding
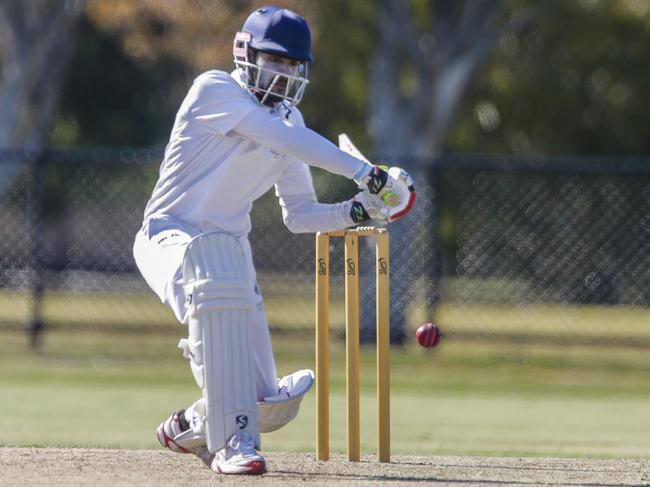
<point x="398" y="194"/>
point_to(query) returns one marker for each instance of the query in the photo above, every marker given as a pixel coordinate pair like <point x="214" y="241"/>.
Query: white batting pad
<point x="276" y="411"/>
<point x="220" y="307"/>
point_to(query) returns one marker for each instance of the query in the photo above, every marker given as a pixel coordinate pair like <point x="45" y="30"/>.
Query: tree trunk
<point x="417" y="81"/>
<point x="35" y="49"/>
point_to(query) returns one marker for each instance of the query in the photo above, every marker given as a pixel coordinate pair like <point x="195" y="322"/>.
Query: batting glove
<point x="364" y="209"/>
<point x="389" y="191"/>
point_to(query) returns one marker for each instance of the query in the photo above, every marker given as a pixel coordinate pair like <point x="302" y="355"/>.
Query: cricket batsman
<point x="235" y="136"/>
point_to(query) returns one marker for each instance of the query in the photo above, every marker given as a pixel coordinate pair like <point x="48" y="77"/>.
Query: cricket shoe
<point x="239" y="456"/>
<point x="178" y="435"/>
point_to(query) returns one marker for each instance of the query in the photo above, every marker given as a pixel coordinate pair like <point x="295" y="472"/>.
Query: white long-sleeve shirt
<point x="226" y="150"/>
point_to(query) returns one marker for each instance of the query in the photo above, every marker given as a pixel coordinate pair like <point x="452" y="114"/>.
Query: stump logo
<point x="383" y="266"/>
<point x="351" y="267"/>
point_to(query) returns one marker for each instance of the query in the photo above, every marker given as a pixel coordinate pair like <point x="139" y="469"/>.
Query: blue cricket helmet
<point x="279" y="31"/>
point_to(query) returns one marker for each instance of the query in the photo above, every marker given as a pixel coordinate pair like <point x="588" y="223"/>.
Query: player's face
<point x="272" y="62"/>
<point x="274" y="78"/>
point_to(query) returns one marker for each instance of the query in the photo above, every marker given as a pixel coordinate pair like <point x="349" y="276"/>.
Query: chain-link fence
<point x="546" y="249"/>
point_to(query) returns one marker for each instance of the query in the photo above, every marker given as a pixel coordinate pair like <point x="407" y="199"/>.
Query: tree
<point x="149" y="52"/>
<point x="572" y="86"/>
<point x="35" y="40"/>
<point x="200" y="32"/>
<point x="426" y="56"/>
<point x="337" y="95"/>
<point x="35" y="48"/>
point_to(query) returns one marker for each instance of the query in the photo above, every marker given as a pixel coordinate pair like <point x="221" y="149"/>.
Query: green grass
<point x="558" y="321"/>
<point x="292" y="310"/>
<point x="95" y="389"/>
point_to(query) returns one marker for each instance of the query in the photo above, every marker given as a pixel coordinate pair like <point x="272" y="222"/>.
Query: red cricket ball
<point x="428" y="335"/>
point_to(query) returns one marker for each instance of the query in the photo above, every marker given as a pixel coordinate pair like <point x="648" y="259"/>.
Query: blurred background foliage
<point x="574" y="84"/>
<point x="573" y="80"/>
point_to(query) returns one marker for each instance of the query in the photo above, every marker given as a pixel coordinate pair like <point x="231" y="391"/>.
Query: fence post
<point x="35" y="324"/>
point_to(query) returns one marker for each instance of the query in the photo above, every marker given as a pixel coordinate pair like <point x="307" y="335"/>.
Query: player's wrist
<point x="375" y="179"/>
<point x="362" y="173"/>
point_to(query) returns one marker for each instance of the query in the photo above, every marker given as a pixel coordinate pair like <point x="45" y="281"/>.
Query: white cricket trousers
<point x="159" y="258"/>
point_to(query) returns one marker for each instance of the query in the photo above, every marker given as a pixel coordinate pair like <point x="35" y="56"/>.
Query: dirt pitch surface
<point x="73" y="467"/>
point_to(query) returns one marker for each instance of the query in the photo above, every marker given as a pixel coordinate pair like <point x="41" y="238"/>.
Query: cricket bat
<point x="346" y="145"/>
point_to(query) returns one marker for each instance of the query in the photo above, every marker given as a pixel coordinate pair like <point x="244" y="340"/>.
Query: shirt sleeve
<point x="299" y="142"/>
<point x="217" y="102"/>
<point x="295" y="179"/>
<point x="301" y="212"/>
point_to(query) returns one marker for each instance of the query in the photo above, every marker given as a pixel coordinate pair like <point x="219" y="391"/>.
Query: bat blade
<point x="346" y="145"/>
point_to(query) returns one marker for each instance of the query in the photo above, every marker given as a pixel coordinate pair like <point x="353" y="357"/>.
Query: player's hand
<point x="363" y="209"/>
<point x="389" y="190"/>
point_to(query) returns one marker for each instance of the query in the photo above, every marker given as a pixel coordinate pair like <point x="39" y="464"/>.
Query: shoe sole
<point x="255" y="467"/>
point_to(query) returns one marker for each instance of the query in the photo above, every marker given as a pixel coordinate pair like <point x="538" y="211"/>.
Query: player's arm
<point x="301" y="211"/>
<point x="300" y="143"/>
<point x="221" y="107"/>
<point x="218" y="104"/>
<point x="388" y="193"/>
